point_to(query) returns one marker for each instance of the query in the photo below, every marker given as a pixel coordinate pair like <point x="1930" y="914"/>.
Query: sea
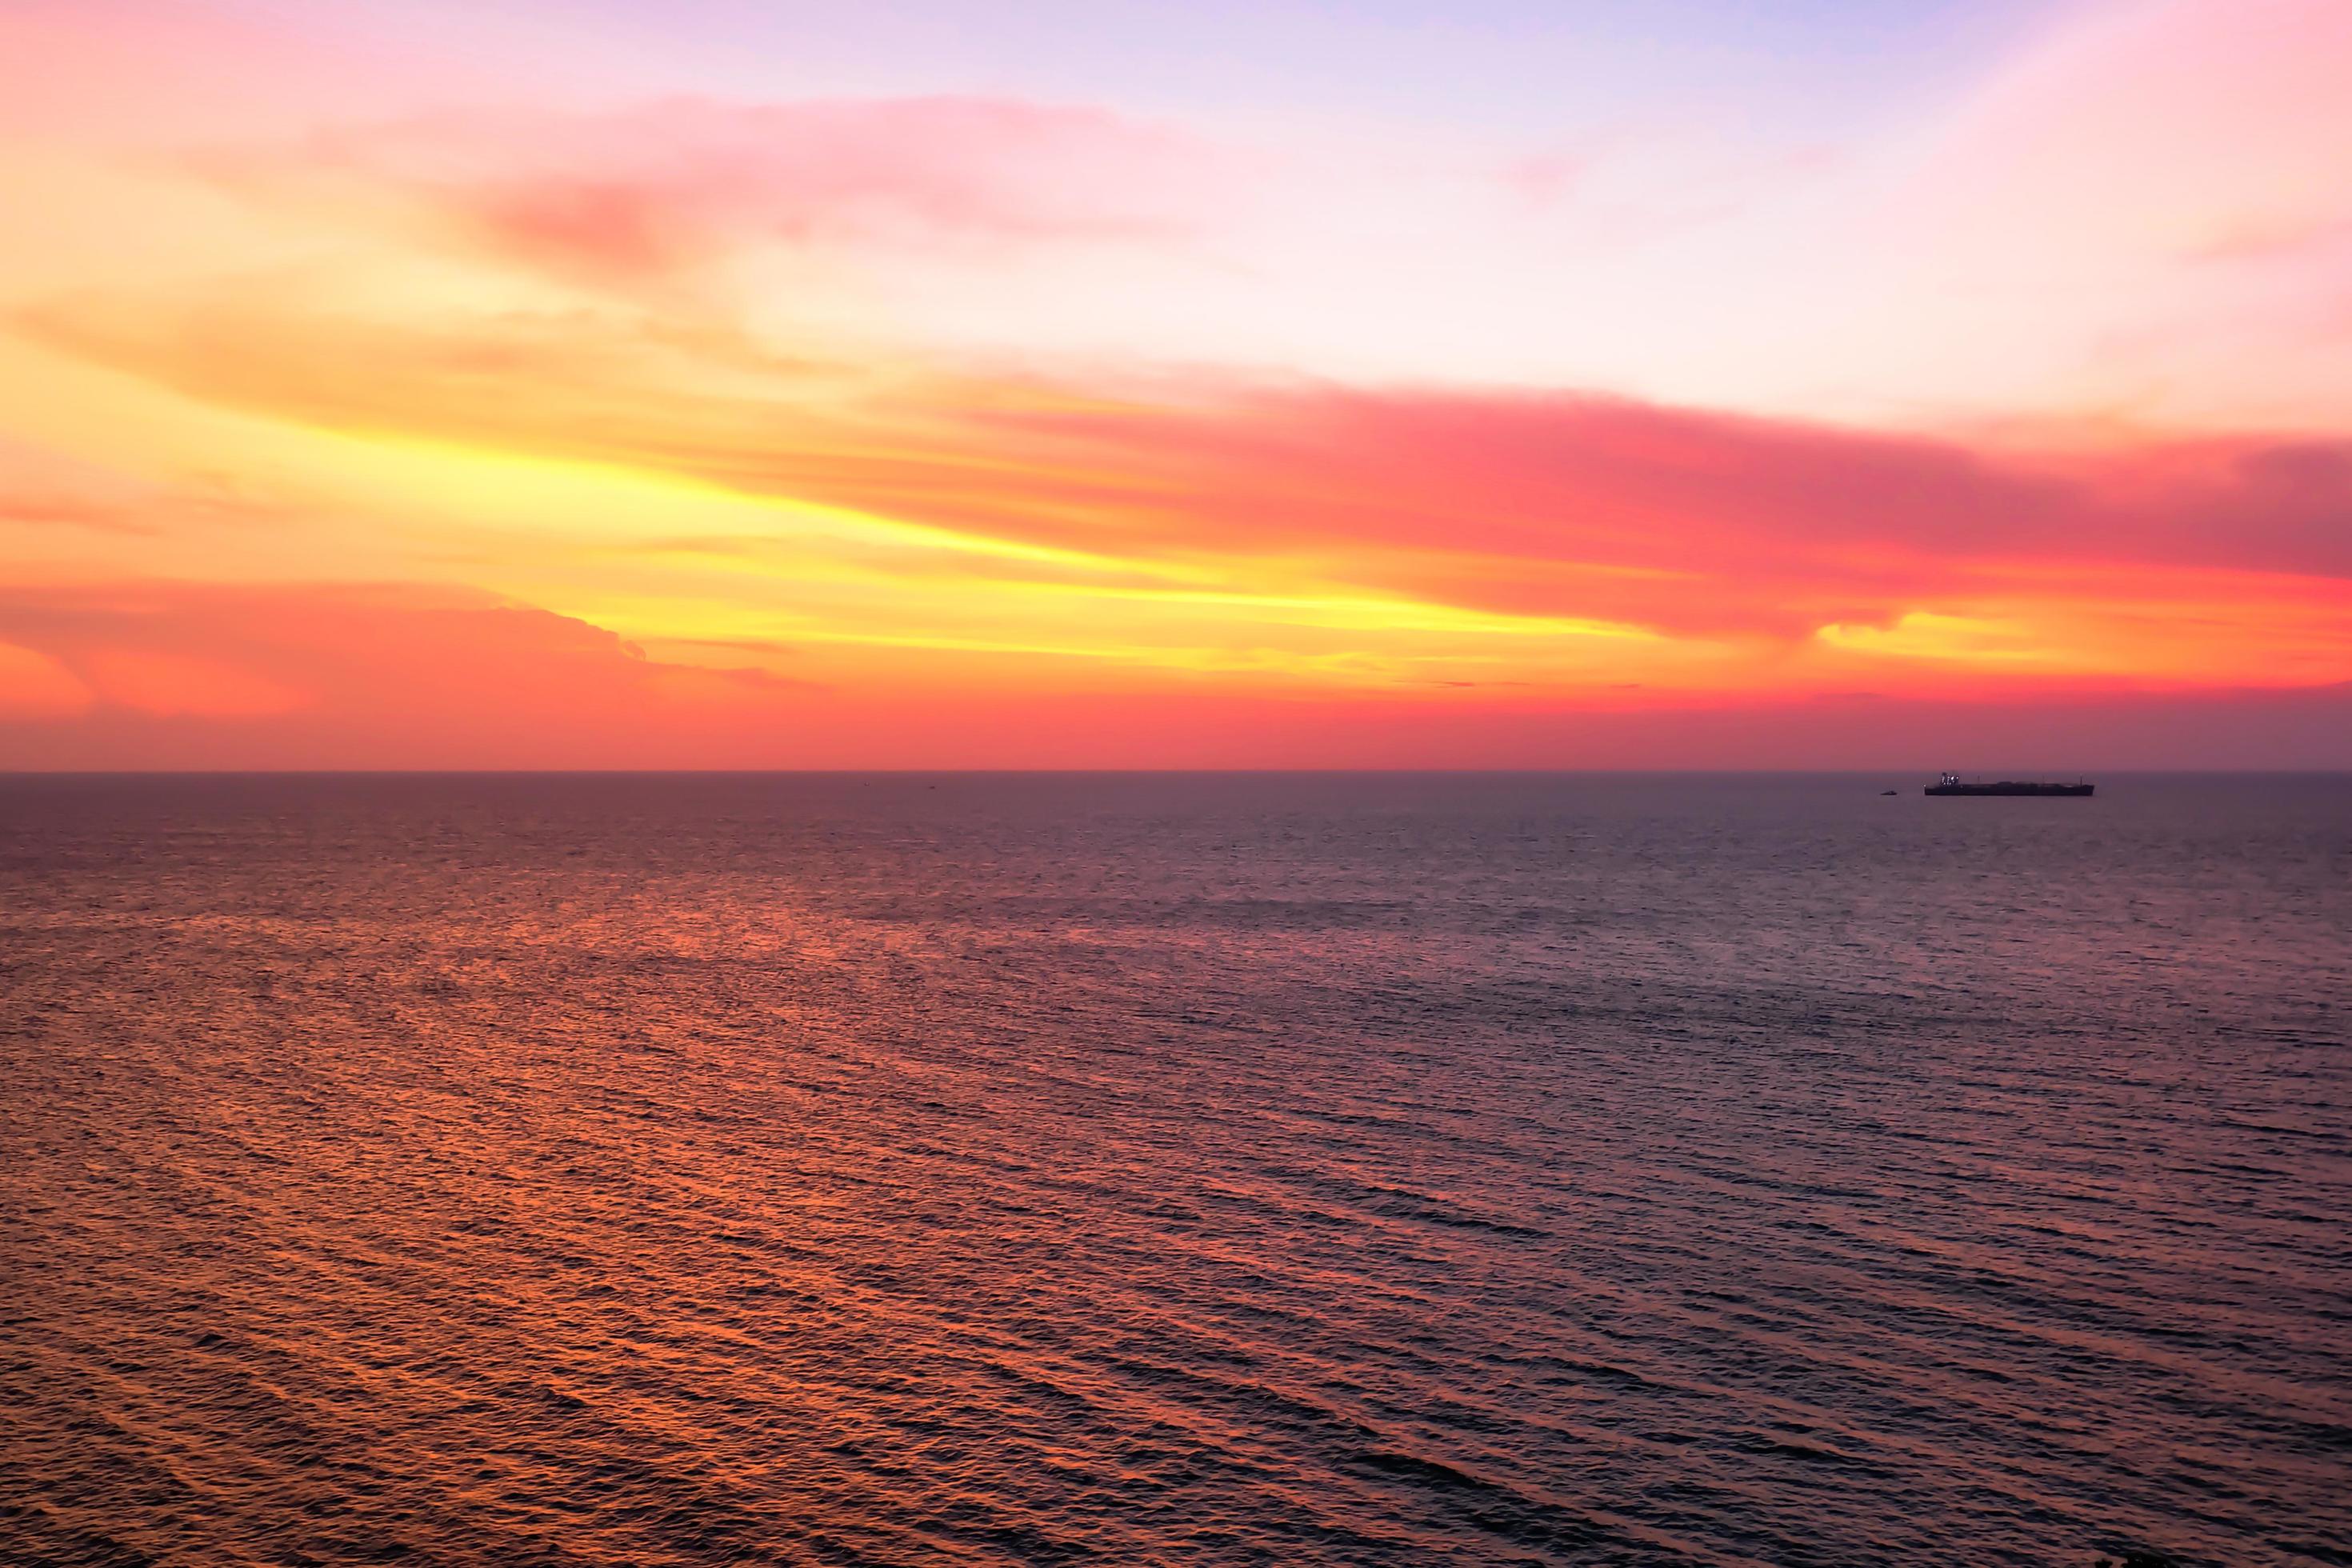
<point x="1281" y="1168"/>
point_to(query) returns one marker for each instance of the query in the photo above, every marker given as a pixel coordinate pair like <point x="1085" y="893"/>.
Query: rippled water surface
<point x="1173" y="1170"/>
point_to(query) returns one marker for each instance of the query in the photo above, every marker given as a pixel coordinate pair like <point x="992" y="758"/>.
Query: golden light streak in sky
<point x="661" y="414"/>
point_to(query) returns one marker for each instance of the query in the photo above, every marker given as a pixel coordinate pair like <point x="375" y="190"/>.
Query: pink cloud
<point x="1683" y="519"/>
<point x="407" y="677"/>
<point x="632" y="196"/>
<point x="206" y="674"/>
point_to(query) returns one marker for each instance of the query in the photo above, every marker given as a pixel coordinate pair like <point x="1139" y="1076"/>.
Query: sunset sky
<point x="1495" y="383"/>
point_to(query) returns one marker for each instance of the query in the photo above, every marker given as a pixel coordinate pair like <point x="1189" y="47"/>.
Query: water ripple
<point x="1188" y="1170"/>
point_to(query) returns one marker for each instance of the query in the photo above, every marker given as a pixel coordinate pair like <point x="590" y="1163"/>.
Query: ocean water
<point x="1173" y="1170"/>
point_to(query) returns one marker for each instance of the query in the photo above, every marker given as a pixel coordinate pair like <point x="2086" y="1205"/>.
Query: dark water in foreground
<point x="1173" y="1170"/>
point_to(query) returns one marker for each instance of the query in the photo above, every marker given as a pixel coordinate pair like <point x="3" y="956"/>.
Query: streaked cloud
<point x="1017" y="398"/>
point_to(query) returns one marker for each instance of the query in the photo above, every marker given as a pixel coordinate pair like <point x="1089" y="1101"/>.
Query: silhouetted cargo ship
<point x="1950" y="783"/>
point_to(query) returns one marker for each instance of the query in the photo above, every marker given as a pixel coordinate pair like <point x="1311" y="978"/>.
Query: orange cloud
<point x="684" y="374"/>
<point x="411" y="676"/>
<point x="34" y="686"/>
<point x="1691" y="526"/>
<point x="211" y="674"/>
<point x="174" y="684"/>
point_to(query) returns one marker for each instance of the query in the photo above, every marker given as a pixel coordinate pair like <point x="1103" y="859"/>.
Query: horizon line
<point x="2074" y="772"/>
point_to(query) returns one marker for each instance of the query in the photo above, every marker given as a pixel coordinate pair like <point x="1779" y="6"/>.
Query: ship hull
<point x="2068" y="791"/>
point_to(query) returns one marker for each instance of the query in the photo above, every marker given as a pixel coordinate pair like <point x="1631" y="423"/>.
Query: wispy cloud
<point x="1692" y="523"/>
<point x="634" y="198"/>
<point x="1021" y="394"/>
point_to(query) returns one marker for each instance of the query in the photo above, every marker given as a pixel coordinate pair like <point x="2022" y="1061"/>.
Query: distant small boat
<point x="1887" y="792"/>
<point x="1950" y="783"/>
